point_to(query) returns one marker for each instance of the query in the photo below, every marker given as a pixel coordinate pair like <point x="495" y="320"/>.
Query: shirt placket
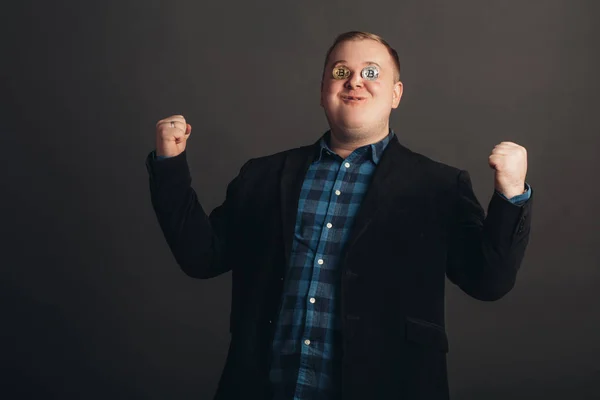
<point x="322" y="261"/>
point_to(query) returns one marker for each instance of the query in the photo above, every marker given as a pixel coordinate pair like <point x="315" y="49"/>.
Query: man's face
<point x="355" y="103"/>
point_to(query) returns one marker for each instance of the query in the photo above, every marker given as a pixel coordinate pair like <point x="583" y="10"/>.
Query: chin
<point x="355" y="123"/>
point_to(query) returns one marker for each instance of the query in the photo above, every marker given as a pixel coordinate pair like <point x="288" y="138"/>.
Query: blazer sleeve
<point x="485" y="253"/>
<point x="197" y="241"/>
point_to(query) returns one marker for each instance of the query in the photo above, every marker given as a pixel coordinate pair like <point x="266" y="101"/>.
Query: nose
<point x="354" y="81"/>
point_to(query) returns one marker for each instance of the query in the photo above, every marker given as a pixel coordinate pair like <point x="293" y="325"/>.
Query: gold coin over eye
<point x="370" y="73"/>
<point x="341" y="72"/>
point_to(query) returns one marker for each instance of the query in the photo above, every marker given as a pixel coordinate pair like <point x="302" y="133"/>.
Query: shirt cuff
<point x="519" y="199"/>
<point x="156" y="157"/>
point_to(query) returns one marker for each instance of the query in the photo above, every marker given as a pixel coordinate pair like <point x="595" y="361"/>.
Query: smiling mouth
<point x="353" y="98"/>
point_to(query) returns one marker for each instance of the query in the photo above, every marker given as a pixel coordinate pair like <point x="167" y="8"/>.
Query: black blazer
<point x="420" y="222"/>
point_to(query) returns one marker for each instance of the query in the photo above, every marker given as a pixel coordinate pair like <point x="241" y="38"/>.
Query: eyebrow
<point x="366" y="62"/>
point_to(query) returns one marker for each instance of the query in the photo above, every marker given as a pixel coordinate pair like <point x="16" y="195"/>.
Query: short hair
<point x="360" y="35"/>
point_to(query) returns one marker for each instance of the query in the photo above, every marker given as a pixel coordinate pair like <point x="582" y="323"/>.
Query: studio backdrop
<point x="93" y="304"/>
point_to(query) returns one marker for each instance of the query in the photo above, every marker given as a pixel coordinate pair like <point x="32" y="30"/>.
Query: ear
<point x="321" y="94"/>
<point x="397" y="94"/>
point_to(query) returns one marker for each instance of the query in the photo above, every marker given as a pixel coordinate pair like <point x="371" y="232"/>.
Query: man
<point x="339" y="250"/>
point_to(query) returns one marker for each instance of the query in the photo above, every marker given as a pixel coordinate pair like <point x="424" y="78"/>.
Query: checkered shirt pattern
<point x="306" y="354"/>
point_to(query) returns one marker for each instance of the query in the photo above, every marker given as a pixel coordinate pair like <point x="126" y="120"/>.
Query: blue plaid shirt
<point x="307" y="343"/>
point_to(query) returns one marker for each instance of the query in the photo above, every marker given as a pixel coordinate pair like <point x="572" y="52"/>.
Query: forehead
<point x="360" y="52"/>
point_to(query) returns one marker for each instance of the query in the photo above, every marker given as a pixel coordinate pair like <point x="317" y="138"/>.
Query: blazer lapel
<point x="396" y="176"/>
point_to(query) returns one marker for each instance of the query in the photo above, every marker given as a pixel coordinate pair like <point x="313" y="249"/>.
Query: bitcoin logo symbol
<point x="341" y="73"/>
<point x="370" y="73"/>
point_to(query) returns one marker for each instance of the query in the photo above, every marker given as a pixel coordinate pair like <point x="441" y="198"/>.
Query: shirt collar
<point x="375" y="149"/>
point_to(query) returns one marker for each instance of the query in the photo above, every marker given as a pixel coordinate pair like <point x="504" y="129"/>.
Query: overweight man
<point x="339" y="249"/>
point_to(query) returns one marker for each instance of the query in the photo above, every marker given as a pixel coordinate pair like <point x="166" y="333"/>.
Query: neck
<point x="344" y="142"/>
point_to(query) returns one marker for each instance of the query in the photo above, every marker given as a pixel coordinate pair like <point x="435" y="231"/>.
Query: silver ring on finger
<point x="172" y="124"/>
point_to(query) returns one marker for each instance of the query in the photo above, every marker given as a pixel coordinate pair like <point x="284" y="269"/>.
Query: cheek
<point x="383" y="94"/>
<point x="332" y="87"/>
<point x="329" y="93"/>
<point x="374" y="88"/>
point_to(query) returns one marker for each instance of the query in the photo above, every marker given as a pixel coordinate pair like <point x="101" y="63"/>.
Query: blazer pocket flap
<point x="426" y="333"/>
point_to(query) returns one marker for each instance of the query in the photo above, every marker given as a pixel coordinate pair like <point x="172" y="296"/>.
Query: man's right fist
<point x="171" y="135"/>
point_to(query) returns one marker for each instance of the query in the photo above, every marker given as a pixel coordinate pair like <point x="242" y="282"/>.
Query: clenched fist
<point x="172" y="134"/>
<point x="510" y="162"/>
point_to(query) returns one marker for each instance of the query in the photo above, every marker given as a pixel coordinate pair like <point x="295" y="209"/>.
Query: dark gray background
<point x="93" y="304"/>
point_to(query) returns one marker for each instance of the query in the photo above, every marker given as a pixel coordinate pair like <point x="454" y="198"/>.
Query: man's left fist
<point x="510" y="162"/>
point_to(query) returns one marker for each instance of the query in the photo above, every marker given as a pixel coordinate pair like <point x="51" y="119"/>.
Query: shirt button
<point x="312" y="300"/>
<point x="329" y="225"/>
<point x="320" y="261"/>
<point x="347" y="165"/>
<point x="337" y="192"/>
<point x="307" y="342"/>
